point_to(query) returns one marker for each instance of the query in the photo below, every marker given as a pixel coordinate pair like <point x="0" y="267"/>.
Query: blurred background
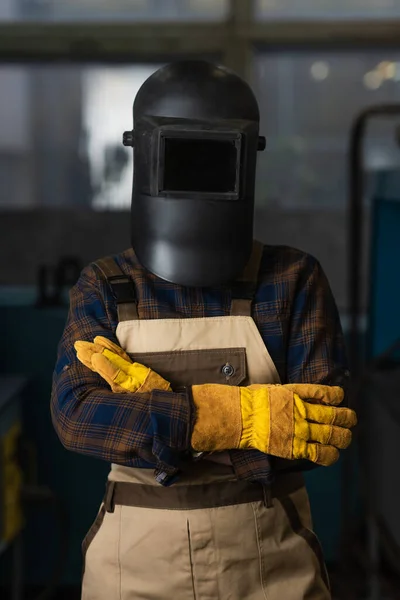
<point x="327" y="77"/>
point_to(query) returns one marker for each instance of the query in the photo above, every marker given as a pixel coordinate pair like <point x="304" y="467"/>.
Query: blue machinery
<point x="376" y="370"/>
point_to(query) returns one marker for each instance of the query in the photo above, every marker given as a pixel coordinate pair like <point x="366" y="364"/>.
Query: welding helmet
<point x="195" y="141"/>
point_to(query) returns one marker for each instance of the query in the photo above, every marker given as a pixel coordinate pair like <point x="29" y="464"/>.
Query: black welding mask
<point x="195" y="139"/>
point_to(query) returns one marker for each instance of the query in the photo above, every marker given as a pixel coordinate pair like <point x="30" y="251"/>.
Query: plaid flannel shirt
<point x="294" y="311"/>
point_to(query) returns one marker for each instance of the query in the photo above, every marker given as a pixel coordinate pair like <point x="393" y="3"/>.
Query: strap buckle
<point x="122" y="288"/>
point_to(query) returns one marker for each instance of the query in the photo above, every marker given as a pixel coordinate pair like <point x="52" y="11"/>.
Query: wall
<point x="29" y="239"/>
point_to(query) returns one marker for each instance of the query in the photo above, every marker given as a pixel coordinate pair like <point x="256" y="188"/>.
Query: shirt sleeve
<point x="316" y="349"/>
<point x="90" y="419"/>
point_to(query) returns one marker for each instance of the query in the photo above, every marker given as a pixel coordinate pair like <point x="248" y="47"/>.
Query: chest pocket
<point x="195" y="367"/>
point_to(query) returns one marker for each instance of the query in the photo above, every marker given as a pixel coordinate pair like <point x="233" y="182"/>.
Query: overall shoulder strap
<point x="245" y="287"/>
<point x="122" y="287"/>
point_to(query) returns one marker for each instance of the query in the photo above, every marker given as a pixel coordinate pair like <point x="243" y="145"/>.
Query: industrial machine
<point x="376" y="369"/>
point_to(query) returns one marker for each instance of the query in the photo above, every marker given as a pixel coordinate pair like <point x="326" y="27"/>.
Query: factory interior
<point x="326" y="75"/>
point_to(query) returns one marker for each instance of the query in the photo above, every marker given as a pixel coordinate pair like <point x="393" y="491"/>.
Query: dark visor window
<point x="200" y="165"/>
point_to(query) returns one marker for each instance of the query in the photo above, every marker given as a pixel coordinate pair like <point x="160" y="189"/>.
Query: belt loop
<point x="109" y="497"/>
<point x="268" y="500"/>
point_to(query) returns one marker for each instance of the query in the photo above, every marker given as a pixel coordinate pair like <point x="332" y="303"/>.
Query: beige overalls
<point x="208" y="536"/>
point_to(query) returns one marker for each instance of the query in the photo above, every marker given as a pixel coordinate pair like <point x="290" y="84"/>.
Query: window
<point x="61" y="141"/>
<point x="108" y="10"/>
<point x="8" y="10"/>
<point x="107" y="101"/>
<point x="308" y="101"/>
<point x="327" y="9"/>
<point x="15" y="140"/>
<point x="62" y="126"/>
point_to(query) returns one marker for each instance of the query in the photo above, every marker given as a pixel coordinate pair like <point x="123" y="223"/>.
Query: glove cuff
<point x="218" y="424"/>
<point x="153" y="381"/>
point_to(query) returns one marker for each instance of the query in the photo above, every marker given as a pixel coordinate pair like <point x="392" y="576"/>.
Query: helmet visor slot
<point x="201" y="166"/>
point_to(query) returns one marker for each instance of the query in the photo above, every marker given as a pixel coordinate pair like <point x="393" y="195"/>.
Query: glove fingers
<point x="344" y="417"/>
<point x="127" y="382"/>
<point x="85" y="351"/>
<point x="114" y="375"/>
<point x="105" y="368"/>
<point x="330" y="415"/>
<point x="332" y="395"/>
<point x="339" y="437"/>
<point x="324" y="455"/>
<point x="135" y="371"/>
<point x="117" y="361"/>
<point x="105" y="343"/>
<point x="82" y="357"/>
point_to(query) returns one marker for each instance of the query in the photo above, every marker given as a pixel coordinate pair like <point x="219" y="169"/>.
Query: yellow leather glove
<point x="115" y="366"/>
<point x="300" y="421"/>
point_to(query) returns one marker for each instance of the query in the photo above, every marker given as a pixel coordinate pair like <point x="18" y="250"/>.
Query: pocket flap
<point x="195" y="367"/>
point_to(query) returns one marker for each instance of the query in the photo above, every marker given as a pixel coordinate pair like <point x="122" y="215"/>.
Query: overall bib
<point x="208" y="536"/>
